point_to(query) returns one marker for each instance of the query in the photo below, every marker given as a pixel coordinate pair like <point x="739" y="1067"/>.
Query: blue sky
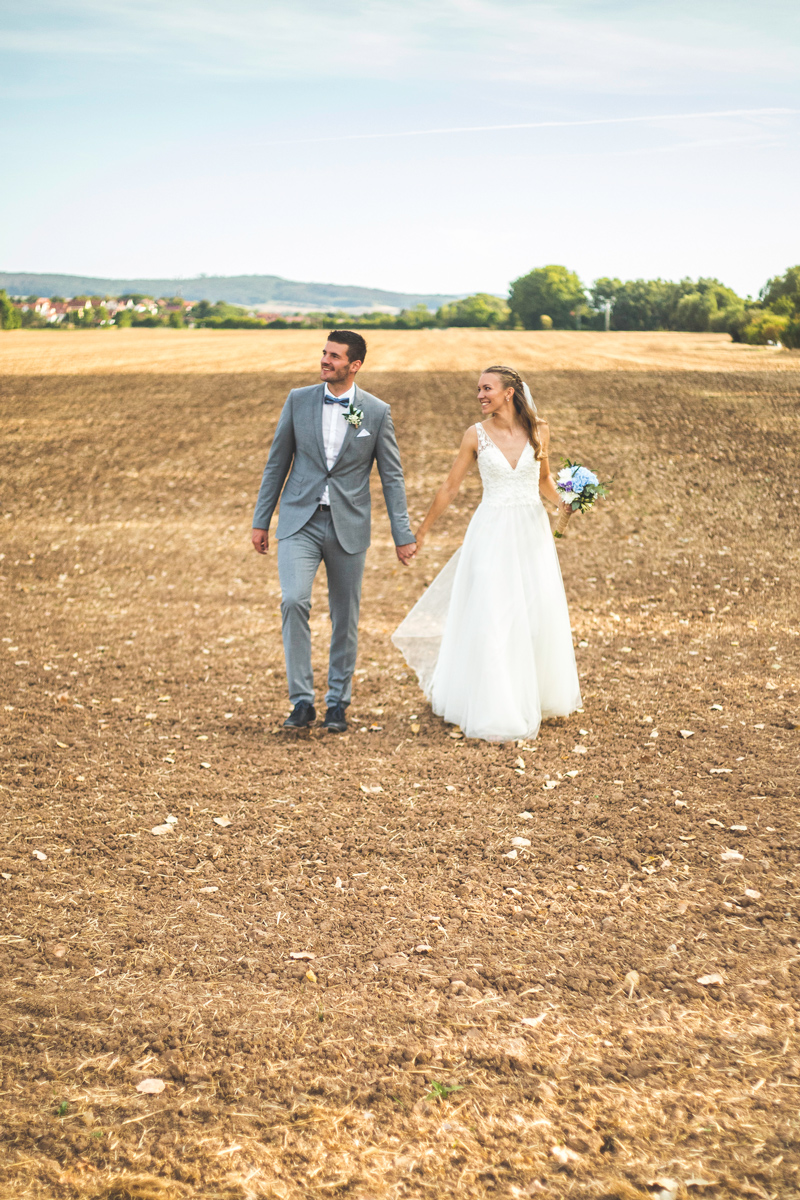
<point x="172" y="137"/>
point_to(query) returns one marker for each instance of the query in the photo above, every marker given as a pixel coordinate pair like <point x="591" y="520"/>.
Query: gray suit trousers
<point x="299" y="557"/>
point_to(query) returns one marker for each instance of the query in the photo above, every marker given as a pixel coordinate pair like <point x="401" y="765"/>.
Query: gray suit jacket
<point x="298" y="452"/>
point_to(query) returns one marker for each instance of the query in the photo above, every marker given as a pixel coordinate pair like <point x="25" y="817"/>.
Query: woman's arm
<point x="447" y="493"/>
<point x="547" y="485"/>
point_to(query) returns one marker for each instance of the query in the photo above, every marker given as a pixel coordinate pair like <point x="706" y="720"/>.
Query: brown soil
<point x="554" y="1038"/>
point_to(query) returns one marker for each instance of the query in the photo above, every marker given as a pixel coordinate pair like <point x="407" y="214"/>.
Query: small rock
<point x="710" y="980"/>
<point x="151" y="1087"/>
<point x="563" y="1155"/>
<point x="520" y="841"/>
<point x="686" y="733"/>
<point x="631" y="982"/>
<point x="732" y="856"/>
<point x="668" y="1188"/>
<point x="39" y="855"/>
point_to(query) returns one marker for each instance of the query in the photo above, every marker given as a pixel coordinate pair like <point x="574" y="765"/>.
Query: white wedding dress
<point x="490" y="639"/>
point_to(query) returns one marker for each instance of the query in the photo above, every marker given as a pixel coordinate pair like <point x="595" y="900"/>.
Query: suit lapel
<point x="351" y="431"/>
<point x="318" y="407"/>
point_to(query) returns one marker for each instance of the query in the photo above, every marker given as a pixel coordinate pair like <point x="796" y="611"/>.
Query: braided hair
<point x="524" y="408"/>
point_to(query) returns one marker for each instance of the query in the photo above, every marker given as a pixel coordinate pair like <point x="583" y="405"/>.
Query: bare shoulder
<point x="470" y="439"/>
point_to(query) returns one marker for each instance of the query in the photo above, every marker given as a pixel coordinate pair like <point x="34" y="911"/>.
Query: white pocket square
<point x="363" y="433"/>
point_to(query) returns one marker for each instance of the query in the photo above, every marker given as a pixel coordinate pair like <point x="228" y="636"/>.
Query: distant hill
<point x="279" y="294"/>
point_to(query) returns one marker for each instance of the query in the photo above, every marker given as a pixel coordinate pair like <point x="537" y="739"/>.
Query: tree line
<point x="550" y="297"/>
<point x="554" y="297"/>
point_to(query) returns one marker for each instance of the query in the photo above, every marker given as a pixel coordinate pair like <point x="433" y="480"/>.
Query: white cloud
<point x="591" y="46"/>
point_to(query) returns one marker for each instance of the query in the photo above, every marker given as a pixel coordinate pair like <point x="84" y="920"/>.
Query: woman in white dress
<point x="490" y="639"/>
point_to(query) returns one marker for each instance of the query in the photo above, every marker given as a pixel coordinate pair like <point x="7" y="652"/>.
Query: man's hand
<point x="260" y="538"/>
<point x="406" y="553"/>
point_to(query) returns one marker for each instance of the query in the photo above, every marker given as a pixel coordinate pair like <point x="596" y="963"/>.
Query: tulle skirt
<point x="490" y="639"/>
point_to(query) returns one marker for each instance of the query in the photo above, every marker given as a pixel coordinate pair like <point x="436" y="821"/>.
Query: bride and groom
<point x="490" y="639"/>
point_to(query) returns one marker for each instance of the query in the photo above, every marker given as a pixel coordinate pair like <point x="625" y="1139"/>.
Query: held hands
<point x="260" y="540"/>
<point x="410" y="551"/>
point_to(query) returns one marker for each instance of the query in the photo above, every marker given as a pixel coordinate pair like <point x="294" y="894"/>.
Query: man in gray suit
<point x="327" y="439"/>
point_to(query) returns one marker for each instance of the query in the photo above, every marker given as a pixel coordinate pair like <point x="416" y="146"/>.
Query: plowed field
<point x="346" y="976"/>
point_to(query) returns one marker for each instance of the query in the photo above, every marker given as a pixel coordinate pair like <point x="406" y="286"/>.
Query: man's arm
<point x="278" y="465"/>
<point x="387" y="456"/>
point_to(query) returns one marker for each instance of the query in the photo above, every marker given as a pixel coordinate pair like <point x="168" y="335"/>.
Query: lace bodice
<point x="505" y="486"/>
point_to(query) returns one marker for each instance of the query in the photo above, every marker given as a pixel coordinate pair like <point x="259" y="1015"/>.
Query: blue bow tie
<point x="345" y="400"/>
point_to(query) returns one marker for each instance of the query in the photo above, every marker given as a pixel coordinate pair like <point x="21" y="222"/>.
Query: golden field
<point x="168" y="351"/>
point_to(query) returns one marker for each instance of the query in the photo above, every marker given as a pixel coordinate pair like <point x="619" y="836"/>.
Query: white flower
<point x="354" y="416"/>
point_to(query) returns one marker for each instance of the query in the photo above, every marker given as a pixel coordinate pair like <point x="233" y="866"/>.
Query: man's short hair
<point x="356" y="346"/>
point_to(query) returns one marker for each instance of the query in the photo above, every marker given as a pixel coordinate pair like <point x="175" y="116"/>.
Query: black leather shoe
<point x="301" y="716"/>
<point x="335" y="719"/>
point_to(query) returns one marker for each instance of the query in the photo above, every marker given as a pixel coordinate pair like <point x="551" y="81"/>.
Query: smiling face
<point x="493" y="394"/>
<point x="335" y="367"/>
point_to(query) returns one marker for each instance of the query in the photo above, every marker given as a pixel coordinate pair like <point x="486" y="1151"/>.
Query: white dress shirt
<point x="334" y="427"/>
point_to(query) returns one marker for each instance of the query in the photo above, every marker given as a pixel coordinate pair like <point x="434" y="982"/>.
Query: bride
<point x="490" y="639"/>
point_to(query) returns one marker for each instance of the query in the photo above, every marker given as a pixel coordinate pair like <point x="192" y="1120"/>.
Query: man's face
<point x="335" y="366"/>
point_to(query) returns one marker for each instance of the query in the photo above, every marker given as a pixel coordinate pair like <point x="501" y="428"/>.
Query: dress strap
<point x="484" y="441"/>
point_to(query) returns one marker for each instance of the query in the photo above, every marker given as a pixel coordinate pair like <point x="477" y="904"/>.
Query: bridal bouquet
<point x="579" y="488"/>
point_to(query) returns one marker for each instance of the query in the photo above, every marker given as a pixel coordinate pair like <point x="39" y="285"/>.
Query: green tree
<point x="652" y="304"/>
<point x="419" y="317"/>
<point x="481" y="311"/>
<point x="782" y="293"/>
<point x="124" y="318"/>
<point x="636" y="304"/>
<point x="778" y="318"/>
<point x="707" y="306"/>
<point x="10" y="316"/>
<point x="552" y="291"/>
<point x="176" y="320"/>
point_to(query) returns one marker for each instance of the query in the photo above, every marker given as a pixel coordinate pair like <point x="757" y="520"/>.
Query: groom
<point x="328" y="437"/>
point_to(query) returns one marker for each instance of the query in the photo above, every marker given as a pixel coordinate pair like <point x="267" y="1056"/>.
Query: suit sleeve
<point x="278" y="465"/>
<point x="387" y="456"/>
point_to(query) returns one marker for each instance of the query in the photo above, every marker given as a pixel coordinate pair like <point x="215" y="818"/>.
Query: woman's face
<point x="493" y="394"/>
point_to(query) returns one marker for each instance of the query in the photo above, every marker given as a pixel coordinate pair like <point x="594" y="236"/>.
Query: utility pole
<point x="607" y="307"/>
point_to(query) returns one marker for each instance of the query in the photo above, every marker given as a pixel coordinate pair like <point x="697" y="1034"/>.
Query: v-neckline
<point x="506" y="460"/>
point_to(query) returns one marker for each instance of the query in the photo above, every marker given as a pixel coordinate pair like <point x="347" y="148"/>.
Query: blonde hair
<point x="525" y="412"/>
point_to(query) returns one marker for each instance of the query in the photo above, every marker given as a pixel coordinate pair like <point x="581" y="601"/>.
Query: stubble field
<point x="608" y="1008"/>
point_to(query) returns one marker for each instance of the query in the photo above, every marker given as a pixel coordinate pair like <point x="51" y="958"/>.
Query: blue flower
<point x="582" y="477"/>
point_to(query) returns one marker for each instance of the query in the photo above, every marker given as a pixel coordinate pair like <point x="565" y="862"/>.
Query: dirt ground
<point x="346" y="976"/>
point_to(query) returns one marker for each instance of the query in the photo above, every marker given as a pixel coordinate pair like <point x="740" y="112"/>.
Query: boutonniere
<point x="354" y="416"/>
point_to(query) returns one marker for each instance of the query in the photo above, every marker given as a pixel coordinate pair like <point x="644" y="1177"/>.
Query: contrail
<point x="406" y="133"/>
